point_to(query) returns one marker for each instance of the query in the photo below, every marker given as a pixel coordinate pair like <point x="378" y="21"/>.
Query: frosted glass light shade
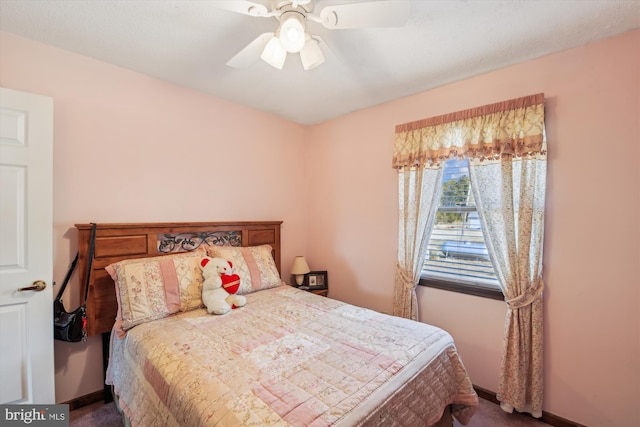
<point x="274" y="53"/>
<point x="299" y="269"/>
<point x="291" y="32"/>
<point x="311" y="55"/>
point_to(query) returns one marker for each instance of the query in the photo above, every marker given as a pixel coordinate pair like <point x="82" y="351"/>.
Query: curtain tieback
<point x="528" y="297"/>
<point x="406" y="277"/>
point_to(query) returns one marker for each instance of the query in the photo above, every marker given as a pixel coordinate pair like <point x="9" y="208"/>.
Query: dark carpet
<point x="488" y="415"/>
<point x="96" y="415"/>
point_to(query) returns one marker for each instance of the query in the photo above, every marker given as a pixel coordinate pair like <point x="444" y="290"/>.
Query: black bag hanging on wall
<point x="72" y="326"/>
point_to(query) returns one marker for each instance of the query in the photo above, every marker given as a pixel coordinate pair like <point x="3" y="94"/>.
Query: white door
<point x="26" y="248"/>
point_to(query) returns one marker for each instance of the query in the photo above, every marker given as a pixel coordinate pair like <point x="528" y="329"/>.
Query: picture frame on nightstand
<point x="316" y="280"/>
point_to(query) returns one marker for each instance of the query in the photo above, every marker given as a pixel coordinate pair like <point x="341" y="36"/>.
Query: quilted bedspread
<point x="288" y="358"/>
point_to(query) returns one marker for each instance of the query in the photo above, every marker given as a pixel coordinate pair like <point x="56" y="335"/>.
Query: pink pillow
<point x="152" y="288"/>
<point x="254" y="265"/>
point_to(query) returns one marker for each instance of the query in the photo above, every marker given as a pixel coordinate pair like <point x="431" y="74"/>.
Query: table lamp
<point x="299" y="269"/>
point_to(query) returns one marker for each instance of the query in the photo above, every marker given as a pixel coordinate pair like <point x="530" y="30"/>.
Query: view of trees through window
<point x="455" y="192"/>
<point x="457" y="251"/>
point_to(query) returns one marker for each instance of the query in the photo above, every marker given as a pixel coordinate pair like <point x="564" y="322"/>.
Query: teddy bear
<point x="220" y="286"/>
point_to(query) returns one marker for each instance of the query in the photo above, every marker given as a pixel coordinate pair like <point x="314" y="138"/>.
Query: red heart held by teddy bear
<point x="230" y="282"/>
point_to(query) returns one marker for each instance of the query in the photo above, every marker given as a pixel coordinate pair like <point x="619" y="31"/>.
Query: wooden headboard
<point x="116" y="242"/>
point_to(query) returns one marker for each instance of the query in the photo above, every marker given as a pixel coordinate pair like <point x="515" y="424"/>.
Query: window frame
<point x="469" y="287"/>
<point x="462" y="288"/>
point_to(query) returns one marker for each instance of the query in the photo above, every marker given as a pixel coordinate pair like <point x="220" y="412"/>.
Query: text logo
<point x="35" y="415"/>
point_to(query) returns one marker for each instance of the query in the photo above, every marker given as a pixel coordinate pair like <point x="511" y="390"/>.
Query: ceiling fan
<point x="291" y="36"/>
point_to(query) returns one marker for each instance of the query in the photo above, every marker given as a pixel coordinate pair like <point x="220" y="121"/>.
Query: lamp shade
<point x="274" y="53"/>
<point x="291" y="32"/>
<point x="311" y="55"/>
<point x="300" y="266"/>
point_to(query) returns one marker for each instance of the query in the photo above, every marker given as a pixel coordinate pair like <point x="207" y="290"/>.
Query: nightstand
<point x="321" y="292"/>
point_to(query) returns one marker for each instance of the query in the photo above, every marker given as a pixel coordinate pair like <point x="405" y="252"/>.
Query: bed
<point x="288" y="358"/>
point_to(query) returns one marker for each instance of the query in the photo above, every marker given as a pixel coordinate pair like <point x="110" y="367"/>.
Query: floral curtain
<point x="506" y="147"/>
<point x="486" y="133"/>
<point x="510" y="197"/>
<point x="419" y="194"/>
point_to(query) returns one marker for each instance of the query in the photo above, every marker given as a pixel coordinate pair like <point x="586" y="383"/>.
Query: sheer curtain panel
<point x="419" y="194"/>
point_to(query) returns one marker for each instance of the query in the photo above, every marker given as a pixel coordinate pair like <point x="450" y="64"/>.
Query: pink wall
<point x="129" y="148"/>
<point x="592" y="250"/>
<point x="343" y="214"/>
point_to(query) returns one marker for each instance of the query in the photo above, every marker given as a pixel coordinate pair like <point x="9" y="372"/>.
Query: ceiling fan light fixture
<point x="274" y="53"/>
<point x="292" y="32"/>
<point x="311" y="55"/>
<point x="291" y="35"/>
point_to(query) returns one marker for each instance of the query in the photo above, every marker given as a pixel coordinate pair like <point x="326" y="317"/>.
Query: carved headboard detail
<point x="116" y="242"/>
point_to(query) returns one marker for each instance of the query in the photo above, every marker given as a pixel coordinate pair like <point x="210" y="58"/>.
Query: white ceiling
<point x="189" y="42"/>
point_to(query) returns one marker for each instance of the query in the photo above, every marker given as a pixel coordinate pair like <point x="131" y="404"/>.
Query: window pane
<point x="455" y="184"/>
<point x="457" y="251"/>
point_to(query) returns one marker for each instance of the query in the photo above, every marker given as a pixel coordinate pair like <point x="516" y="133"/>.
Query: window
<point x="457" y="258"/>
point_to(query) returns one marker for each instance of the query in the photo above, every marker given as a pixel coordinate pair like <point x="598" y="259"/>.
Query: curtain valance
<point x="514" y="127"/>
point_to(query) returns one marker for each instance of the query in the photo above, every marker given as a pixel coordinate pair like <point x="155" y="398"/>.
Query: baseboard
<point x="86" y="400"/>
<point x="547" y="417"/>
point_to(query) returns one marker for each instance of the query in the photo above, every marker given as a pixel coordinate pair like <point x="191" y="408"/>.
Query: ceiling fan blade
<point x="251" y="52"/>
<point x="243" y="6"/>
<point x="392" y="13"/>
